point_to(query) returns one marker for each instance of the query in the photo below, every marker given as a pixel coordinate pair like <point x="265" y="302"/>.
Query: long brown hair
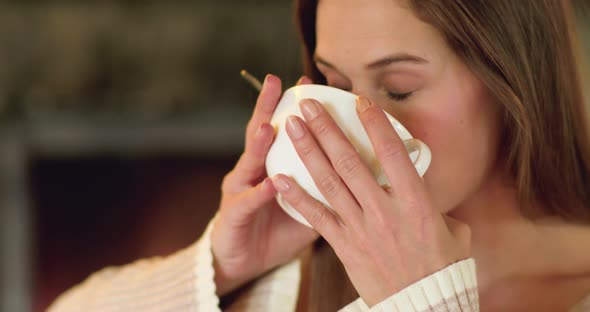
<point x="522" y="51"/>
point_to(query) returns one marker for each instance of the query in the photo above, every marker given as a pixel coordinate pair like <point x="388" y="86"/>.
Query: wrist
<point x="225" y="283"/>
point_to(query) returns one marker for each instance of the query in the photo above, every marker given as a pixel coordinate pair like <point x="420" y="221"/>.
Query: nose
<point x="357" y="90"/>
<point x="362" y="86"/>
<point x="364" y="91"/>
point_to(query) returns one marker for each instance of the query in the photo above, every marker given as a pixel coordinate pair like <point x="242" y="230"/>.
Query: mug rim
<point x="320" y="86"/>
<point x="274" y="160"/>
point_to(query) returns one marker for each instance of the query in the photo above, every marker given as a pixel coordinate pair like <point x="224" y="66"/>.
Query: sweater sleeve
<point x="451" y="289"/>
<point x="180" y="282"/>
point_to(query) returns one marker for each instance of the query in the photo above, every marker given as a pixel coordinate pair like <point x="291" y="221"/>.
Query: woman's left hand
<point x="386" y="239"/>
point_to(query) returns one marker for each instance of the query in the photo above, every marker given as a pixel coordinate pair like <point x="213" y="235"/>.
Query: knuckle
<point x="254" y="149"/>
<point x="347" y="165"/>
<point x="295" y="199"/>
<point x="392" y="150"/>
<point x="329" y="184"/>
<point x="319" y="216"/>
<point x="247" y="166"/>
<point x="250" y="128"/>
<point x="226" y="182"/>
<point x="320" y="128"/>
<point x="305" y="147"/>
<point x="423" y="222"/>
<point x="370" y="116"/>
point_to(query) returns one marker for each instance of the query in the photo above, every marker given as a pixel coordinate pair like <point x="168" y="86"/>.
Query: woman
<point x="491" y="87"/>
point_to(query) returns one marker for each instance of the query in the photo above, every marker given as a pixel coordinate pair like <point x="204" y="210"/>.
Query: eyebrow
<point x="388" y="60"/>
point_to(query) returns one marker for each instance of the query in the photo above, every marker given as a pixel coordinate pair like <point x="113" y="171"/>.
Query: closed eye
<point x="398" y="96"/>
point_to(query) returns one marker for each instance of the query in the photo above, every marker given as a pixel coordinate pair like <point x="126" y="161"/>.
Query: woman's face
<point x="380" y="49"/>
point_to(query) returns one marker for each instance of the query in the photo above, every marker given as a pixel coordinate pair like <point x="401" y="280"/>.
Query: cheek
<point x="460" y="127"/>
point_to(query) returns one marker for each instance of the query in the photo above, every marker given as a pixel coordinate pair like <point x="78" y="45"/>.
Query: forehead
<point x="369" y="30"/>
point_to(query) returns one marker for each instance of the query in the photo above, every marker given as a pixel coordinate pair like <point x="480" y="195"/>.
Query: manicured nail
<point x="363" y="103"/>
<point x="266" y="183"/>
<point x="310" y="109"/>
<point x="304" y="80"/>
<point x="280" y="183"/>
<point x="295" y="126"/>
<point x="266" y="79"/>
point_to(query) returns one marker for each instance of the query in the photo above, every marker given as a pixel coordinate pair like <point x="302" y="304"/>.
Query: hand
<point x="386" y="239"/>
<point x="252" y="234"/>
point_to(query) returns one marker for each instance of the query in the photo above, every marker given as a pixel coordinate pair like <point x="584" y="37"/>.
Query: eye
<point x="398" y="96"/>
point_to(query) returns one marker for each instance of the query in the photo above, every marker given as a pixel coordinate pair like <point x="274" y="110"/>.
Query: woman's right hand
<point x="252" y="234"/>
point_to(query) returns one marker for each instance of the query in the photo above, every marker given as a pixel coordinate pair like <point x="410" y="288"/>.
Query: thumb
<point x="252" y="200"/>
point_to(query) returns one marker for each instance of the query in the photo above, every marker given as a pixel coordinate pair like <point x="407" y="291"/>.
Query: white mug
<point x="341" y="105"/>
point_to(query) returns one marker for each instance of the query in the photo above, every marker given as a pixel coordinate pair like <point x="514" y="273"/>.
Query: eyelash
<point x="398" y="96"/>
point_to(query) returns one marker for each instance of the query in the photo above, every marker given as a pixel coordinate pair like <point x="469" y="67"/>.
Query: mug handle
<point x="424" y="156"/>
<point x="421" y="163"/>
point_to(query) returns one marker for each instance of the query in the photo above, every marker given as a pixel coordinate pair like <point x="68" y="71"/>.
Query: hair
<point x="523" y="52"/>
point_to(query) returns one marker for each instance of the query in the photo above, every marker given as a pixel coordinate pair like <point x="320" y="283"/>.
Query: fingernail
<point x="280" y="183"/>
<point x="295" y="127"/>
<point x="362" y="103"/>
<point x="266" y="78"/>
<point x="310" y="109"/>
<point x="266" y="183"/>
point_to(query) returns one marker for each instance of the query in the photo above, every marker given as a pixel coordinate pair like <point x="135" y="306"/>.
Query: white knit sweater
<point x="184" y="282"/>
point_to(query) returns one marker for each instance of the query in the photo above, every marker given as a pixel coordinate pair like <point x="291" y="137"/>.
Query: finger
<point x="265" y="104"/>
<point x="303" y="81"/>
<point x="255" y="198"/>
<point x="343" y="156"/>
<point x="318" y="215"/>
<point x="250" y="167"/>
<point x="323" y="174"/>
<point x="389" y="148"/>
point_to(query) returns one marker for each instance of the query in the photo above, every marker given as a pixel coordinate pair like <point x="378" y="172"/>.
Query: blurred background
<point x="118" y="120"/>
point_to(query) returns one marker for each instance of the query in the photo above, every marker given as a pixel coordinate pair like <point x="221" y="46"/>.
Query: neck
<point x="506" y="244"/>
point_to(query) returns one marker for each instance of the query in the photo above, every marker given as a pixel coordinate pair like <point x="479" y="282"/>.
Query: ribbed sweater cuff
<point x="183" y="281"/>
<point x="205" y="293"/>
<point x="453" y="288"/>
